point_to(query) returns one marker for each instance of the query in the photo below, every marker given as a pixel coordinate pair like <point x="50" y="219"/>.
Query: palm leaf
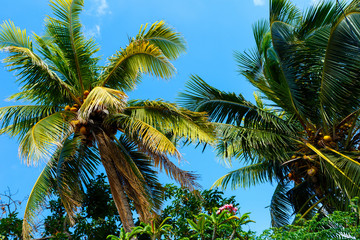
<point x="145" y="166"/>
<point x="41" y="140"/>
<point x="179" y="122"/>
<point x="281" y="206"/>
<point x="340" y="75"/>
<point x="71" y="166"/>
<point x="246" y="176"/>
<point x="32" y="72"/>
<point x="127" y="64"/>
<point x="228" y="107"/>
<point x="17" y="120"/>
<point x="12" y="36"/>
<point x="150" y="137"/>
<point x="171" y="43"/>
<point x="101" y="98"/>
<point x="65" y="30"/>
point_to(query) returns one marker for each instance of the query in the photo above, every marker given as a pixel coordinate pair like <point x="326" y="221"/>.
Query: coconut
<point x="312" y="171"/>
<point x="86" y="92"/>
<point x="73" y="109"/>
<point x="76" y="105"/>
<point x="67" y="108"/>
<point x="327" y="138"/>
<point x="83" y="130"/>
<point x="75" y="122"/>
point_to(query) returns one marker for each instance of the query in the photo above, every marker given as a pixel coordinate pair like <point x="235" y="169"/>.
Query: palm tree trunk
<point x="106" y="147"/>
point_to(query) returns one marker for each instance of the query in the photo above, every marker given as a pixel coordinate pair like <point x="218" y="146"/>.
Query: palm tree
<point x="79" y="115"/>
<point x="303" y="129"/>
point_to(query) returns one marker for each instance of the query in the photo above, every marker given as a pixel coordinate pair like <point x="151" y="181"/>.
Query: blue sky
<point x="214" y="29"/>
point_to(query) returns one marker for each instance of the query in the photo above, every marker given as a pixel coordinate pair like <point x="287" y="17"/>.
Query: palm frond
<point x="137" y="58"/>
<point x="12" y="36"/>
<point x="171" y="43"/>
<point x="283" y="11"/>
<point x="247" y="142"/>
<point x="229" y="107"/>
<point x="101" y="98"/>
<point x="76" y="165"/>
<point x="41" y="140"/>
<point x="343" y="169"/>
<point x="318" y="15"/>
<point x="36" y="75"/>
<point x="186" y="179"/>
<point x="145" y="166"/>
<point x="65" y="29"/>
<point x="281" y="207"/>
<point x="37" y="197"/>
<point x="150" y="137"/>
<point x="340" y="74"/>
<point x="246" y="176"/>
<point x="17" y="120"/>
<point x="169" y="118"/>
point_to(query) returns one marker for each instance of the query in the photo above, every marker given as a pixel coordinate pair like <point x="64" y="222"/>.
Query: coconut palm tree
<point x="79" y="114"/>
<point x="303" y="129"/>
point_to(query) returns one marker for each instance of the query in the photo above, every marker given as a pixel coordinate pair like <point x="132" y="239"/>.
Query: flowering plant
<point x="228" y="207"/>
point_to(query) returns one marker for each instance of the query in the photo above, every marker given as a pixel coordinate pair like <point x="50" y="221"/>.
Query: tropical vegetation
<point x="302" y="131"/>
<point x="77" y="115"/>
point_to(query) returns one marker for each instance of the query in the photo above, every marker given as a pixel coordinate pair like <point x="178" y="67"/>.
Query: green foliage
<point x="10" y="224"/>
<point x="96" y="219"/>
<point x="338" y="225"/>
<point x="191" y="213"/>
<point x="11" y="227"/>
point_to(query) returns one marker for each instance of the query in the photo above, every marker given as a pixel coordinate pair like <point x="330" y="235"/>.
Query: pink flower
<point x="228" y="207"/>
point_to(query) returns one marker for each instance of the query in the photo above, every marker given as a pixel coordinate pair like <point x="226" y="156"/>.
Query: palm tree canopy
<point x="80" y="115"/>
<point x="303" y="130"/>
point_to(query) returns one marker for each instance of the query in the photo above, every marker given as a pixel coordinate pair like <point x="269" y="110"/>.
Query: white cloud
<point x="92" y="32"/>
<point x="102" y="7"/>
<point x="259" y="2"/>
<point x="99" y="8"/>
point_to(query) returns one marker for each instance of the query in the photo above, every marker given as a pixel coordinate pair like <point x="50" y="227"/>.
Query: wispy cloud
<point x="92" y="32"/>
<point x="259" y="2"/>
<point x="102" y="7"/>
<point x="99" y="8"/>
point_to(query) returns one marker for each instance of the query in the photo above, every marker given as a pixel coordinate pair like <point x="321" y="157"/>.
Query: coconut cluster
<point x="304" y="163"/>
<point x="81" y="128"/>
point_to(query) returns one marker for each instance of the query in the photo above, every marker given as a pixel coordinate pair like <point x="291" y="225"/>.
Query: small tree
<point x="10" y="224"/>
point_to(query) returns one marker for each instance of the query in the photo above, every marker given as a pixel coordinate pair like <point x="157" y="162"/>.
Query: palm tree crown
<point x="303" y="130"/>
<point x="80" y="115"/>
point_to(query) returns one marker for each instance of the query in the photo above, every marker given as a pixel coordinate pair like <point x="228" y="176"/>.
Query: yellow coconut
<point x="83" y="130"/>
<point x="86" y="92"/>
<point x="76" y="105"/>
<point x="75" y="122"/>
<point x="67" y="108"/>
<point x="312" y="171"/>
<point x="327" y="138"/>
<point x="73" y="109"/>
